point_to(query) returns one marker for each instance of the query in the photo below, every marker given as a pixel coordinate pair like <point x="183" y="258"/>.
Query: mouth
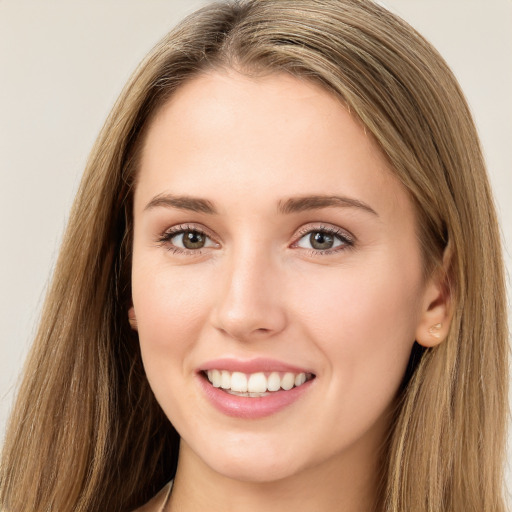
<point x="255" y="385"/>
<point x="256" y="388"/>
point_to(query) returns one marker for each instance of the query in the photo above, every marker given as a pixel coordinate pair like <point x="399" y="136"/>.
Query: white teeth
<point x="300" y="379"/>
<point x="238" y="382"/>
<point x="288" y="381"/>
<point x="252" y="395"/>
<point x="225" y="380"/>
<point x="254" y="384"/>
<point x="257" y="383"/>
<point x="215" y="378"/>
<point x="274" y="382"/>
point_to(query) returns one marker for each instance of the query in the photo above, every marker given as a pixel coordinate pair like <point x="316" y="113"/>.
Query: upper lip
<point x="260" y="364"/>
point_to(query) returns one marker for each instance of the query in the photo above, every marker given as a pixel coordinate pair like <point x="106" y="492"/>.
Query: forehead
<point x="274" y="136"/>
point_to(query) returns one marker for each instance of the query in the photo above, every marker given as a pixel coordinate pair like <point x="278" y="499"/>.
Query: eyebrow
<point x="315" y="202"/>
<point x="292" y="205"/>
<point x="193" y="204"/>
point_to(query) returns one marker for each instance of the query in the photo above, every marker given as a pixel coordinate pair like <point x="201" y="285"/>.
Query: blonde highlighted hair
<point x="86" y="433"/>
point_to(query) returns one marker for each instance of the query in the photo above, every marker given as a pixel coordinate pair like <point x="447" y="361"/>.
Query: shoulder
<point x="156" y="503"/>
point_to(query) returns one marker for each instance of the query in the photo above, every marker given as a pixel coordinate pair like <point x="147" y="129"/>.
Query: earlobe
<point x="132" y="318"/>
<point x="435" y="320"/>
<point x="434" y="330"/>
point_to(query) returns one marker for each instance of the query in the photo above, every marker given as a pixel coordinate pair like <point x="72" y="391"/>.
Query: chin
<point x="251" y="465"/>
<point x="254" y="471"/>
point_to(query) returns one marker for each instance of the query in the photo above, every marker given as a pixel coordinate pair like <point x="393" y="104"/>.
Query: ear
<point x="132" y="318"/>
<point x="437" y="308"/>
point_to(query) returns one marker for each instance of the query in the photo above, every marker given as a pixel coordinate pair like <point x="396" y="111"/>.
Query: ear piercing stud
<point x="433" y="331"/>
<point x="132" y="319"/>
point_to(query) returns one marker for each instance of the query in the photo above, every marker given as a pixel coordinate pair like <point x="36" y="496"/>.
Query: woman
<point x="284" y="261"/>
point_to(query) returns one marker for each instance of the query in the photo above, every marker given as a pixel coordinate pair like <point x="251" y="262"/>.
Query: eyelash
<point x="166" y="237"/>
<point x="347" y="240"/>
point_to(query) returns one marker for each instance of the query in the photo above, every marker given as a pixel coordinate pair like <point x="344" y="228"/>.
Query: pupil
<point x="321" y="241"/>
<point x="193" y="240"/>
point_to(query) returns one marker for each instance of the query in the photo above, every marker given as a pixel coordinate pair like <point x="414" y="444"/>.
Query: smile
<point x="253" y="389"/>
<point x="255" y="384"/>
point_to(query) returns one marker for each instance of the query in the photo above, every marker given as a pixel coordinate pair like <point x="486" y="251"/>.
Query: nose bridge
<point x="250" y="303"/>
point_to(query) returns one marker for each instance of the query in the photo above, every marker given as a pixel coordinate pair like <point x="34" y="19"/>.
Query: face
<point x="277" y="277"/>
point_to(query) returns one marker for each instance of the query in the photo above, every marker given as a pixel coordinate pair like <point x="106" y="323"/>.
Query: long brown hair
<point x="86" y="433"/>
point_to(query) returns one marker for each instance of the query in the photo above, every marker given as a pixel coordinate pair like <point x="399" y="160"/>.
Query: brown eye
<point x="325" y="240"/>
<point x="186" y="239"/>
<point x="193" y="240"/>
<point x="321" y="241"/>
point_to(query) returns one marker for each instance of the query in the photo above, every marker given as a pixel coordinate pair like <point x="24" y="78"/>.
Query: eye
<point x="184" y="238"/>
<point x="190" y="240"/>
<point x="324" y="239"/>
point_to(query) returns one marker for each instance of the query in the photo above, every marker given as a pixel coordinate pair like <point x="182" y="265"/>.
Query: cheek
<point x="170" y="309"/>
<point x="363" y="320"/>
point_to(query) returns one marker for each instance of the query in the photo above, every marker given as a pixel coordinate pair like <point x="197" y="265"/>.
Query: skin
<point x="258" y="289"/>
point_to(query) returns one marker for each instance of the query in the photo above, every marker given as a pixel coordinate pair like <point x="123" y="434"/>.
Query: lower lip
<point x="251" y="407"/>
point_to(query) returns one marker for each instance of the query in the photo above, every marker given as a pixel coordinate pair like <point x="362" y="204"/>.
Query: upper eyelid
<point x="180" y="228"/>
<point x="322" y="226"/>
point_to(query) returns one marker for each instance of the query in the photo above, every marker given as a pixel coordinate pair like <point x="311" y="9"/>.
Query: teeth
<point x="214" y="377"/>
<point x="238" y="382"/>
<point x="257" y="383"/>
<point x="288" y="381"/>
<point x="300" y="379"/>
<point x="225" y="380"/>
<point x="252" y="395"/>
<point x="274" y="382"/>
<point x="254" y="384"/>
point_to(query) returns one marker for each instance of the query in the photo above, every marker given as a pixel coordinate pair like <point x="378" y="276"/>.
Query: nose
<point x="250" y="303"/>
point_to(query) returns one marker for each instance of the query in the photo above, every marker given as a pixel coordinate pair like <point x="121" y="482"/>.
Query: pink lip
<point x="249" y="407"/>
<point x="251" y="366"/>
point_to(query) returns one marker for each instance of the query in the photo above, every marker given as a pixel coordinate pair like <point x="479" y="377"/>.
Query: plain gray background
<point x="62" y="65"/>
